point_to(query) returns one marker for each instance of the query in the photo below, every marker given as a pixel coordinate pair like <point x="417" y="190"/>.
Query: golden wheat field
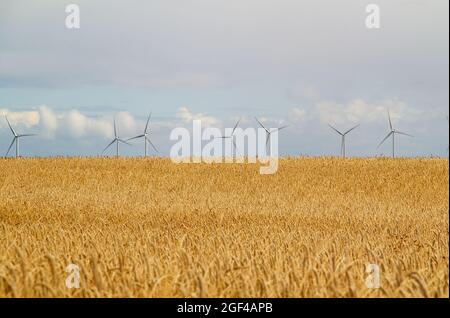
<point x="150" y="228"/>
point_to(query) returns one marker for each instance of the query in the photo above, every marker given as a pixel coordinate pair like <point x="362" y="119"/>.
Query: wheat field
<point x="140" y="227"/>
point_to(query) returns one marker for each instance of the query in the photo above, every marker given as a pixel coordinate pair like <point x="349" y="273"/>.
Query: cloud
<point x="26" y="119"/>
<point x="310" y="120"/>
<point x="71" y="123"/>
<point x="187" y="117"/>
<point x="74" y="124"/>
<point x="127" y="123"/>
<point x="44" y="117"/>
<point x="48" y="122"/>
<point x="81" y="126"/>
<point x="358" y="111"/>
<point x="244" y="41"/>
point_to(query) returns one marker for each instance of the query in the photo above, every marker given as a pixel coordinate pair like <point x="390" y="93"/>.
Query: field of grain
<point x="150" y="228"/>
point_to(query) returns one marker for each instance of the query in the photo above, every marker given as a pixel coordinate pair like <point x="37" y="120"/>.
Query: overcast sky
<point x="304" y="63"/>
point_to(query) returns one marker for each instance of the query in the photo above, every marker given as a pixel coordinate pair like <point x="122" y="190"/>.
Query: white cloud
<point x="48" y="121"/>
<point x="76" y="125"/>
<point x="70" y="124"/>
<point x="186" y="117"/>
<point x="26" y="119"/>
<point x="126" y="124"/>
<point x="370" y="112"/>
<point x="357" y="111"/>
<point x="80" y="126"/>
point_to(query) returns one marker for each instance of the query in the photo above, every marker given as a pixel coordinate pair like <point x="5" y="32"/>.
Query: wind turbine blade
<point x="108" y="146"/>
<point x="390" y="122"/>
<point x="146" y="125"/>
<point x="115" y="129"/>
<point x="382" y="142"/>
<point x="10" y="127"/>
<point x="10" y="146"/>
<point x="405" y="134"/>
<point x="124" y="142"/>
<point x="235" y="126"/>
<point x="27" y="135"/>
<point x="283" y="127"/>
<point x="351" y="129"/>
<point x="267" y="138"/>
<point x="335" y="130"/>
<point x="151" y="144"/>
<point x="137" y="137"/>
<point x="261" y="125"/>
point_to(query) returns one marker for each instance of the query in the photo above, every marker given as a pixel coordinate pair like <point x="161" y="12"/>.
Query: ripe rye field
<point x="151" y="228"/>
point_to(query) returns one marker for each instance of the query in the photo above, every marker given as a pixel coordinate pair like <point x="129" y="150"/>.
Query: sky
<point x="306" y="64"/>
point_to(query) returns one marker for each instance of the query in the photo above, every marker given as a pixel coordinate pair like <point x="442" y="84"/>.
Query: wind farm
<point x="337" y="215"/>
<point x="210" y="151"/>
<point x="145" y="136"/>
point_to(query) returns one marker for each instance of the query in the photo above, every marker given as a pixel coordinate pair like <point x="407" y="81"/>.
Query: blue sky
<point x="302" y="63"/>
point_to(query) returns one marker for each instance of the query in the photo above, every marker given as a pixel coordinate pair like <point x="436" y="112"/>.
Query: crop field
<point x="137" y="227"/>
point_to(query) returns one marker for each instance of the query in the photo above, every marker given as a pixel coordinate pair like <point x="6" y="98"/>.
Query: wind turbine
<point x="392" y="133"/>
<point x="231" y="136"/>
<point x="269" y="131"/>
<point x="16" y="139"/>
<point x="146" y="136"/>
<point x="343" y="135"/>
<point x="116" y="140"/>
